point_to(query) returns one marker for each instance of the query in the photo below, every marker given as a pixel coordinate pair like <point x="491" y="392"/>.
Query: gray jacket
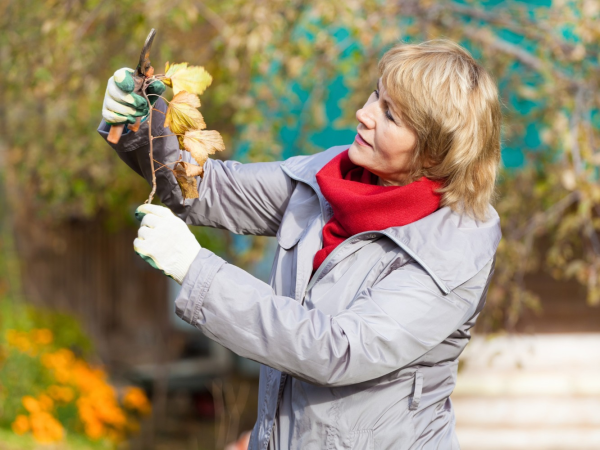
<point x="364" y="354"/>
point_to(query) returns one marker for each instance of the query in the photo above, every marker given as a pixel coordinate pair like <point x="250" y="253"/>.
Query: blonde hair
<point x="452" y="105"/>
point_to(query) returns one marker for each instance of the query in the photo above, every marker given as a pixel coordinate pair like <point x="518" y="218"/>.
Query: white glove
<point x="165" y="242"/>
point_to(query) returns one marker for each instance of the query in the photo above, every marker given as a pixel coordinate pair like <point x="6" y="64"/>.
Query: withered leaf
<point x="201" y="143"/>
<point x="187" y="183"/>
<point x="182" y="114"/>
<point x="192" y="170"/>
<point x="193" y="79"/>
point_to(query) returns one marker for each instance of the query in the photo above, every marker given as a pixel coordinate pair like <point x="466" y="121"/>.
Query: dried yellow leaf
<point x="192" y="170"/>
<point x="193" y="79"/>
<point x="201" y="143"/>
<point x="182" y="114"/>
<point x="187" y="183"/>
<point x="180" y="140"/>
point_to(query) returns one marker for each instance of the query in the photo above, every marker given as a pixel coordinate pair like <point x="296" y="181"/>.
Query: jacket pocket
<point x="417" y="391"/>
<point x="361" y="440"/>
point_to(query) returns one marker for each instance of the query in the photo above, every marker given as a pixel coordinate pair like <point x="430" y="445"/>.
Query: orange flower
<point x="46" y="428"/>
<point x="23" y="344"/>
<point x="11" y="336"/>
<point x="100" y="413"/>
<point x="86" y="410"/>
<point x="94" y="429"/>
<point x="60" y="363"/>
<point x="31" y="404"/>
<point x="21" y="424"/>
<point x="42" y="336"/>
<point x="110" y="413"/>
<point x="62" y="394"/>
<point x="97" y="402"/>
<point x="45" y="402"/>
<point x="135" y="399"/>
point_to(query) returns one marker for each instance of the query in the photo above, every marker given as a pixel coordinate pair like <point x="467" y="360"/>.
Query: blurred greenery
<point x="66" y="329"/>
<point x="11" y="441"/>
<point x="288" y="77"/>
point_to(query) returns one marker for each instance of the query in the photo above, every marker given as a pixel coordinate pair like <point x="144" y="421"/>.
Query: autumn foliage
<point x="187" y="123"/>
<point x="291" y="76"/>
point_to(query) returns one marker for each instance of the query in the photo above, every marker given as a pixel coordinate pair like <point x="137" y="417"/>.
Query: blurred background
<point x="91" y="353"/>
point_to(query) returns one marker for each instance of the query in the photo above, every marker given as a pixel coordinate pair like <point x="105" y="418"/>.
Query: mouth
<point x="360" y="141"/>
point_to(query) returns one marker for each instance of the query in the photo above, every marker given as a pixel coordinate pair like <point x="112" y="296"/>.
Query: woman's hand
<point x="121" y="104"/>
<point x="165" y="242"/>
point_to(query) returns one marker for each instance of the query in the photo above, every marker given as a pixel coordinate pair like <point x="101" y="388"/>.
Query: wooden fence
<point x="83" y="268"/>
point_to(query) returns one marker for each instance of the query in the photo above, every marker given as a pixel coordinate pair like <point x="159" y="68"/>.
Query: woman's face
<point x="384" y="144"/>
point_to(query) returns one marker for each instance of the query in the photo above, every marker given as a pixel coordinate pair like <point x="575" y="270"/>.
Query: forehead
<point x="382" y="90"/>
<point x="385" y="97"/>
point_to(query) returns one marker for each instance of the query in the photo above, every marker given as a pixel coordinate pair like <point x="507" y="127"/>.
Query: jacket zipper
<point x="408" y="251"/>
<point x="324" y="264"/>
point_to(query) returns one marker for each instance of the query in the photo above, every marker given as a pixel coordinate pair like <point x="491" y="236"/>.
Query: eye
<point x="387" y="112"/>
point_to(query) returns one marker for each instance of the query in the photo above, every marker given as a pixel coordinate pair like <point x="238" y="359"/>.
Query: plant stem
<point x="156" y="95"/>
<point x="162" y="166"/>
<point x="166" y="135"/>
<point x="151" y="152"/>
<point x="167" y="164"/>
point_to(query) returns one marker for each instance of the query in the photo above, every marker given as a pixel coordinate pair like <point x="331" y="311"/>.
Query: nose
<point x="364" y="116"/>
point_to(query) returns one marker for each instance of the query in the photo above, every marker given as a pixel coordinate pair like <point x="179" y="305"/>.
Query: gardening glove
<point x="121" y="104"/>
<point x="164" y="241"/>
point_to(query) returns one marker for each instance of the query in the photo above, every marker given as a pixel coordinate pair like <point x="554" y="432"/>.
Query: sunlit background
<point x="92" y="355"/>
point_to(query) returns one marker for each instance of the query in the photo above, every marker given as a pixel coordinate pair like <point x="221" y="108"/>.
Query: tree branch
<point x="490" y="40"/>
<point x="544" y="217"/>
<point x="213" y="18"/>
<point x="575" y="121"/>
<point x="527" y="28"/>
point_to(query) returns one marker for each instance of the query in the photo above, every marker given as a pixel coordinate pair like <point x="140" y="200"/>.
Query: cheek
<point x="396" y="148"/>
<point x="388" y="142"/>
<point x="411" y="140"/>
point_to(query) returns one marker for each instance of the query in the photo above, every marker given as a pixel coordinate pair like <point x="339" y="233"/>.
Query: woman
<point x="386" y="250"/>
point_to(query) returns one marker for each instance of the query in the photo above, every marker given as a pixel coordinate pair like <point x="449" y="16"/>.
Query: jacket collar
<point x="305" y="168"/>
<point x="451" y="247"/>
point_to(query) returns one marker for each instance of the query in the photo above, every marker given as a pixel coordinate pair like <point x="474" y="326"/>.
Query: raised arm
<point x="385" y="328"/>
<point x="243" y="198"/>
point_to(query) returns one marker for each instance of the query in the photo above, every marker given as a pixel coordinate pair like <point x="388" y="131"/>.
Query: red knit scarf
<point x="360" y="205"/>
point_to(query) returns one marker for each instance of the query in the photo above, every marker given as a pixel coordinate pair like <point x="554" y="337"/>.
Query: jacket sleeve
<point x="387" y="326"/>
<point x="243" y="198"/>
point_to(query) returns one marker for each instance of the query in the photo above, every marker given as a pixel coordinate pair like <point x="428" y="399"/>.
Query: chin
<point x="355" y="153"/>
